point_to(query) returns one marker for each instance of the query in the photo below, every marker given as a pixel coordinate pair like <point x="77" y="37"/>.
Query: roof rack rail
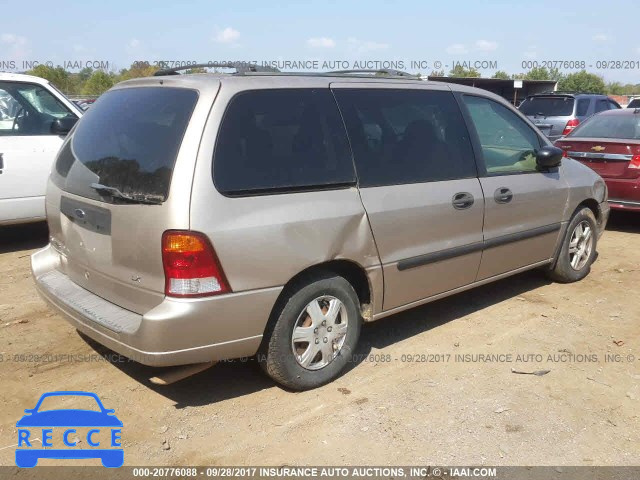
<point x="385" y="72"/>
<point x="561" y="92"/>
<point x="241" y="68"/>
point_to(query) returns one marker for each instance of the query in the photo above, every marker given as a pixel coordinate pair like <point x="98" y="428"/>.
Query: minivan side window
<point x="406" y="136"/>
<point x="508" y="144"/>
<point x="27" y="109"/>
<point x="281" y="140"/>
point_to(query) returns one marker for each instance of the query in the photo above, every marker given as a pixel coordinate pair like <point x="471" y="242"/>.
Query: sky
<point x="501" y="34"/>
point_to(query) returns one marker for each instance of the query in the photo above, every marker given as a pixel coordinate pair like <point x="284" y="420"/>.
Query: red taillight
<point x="571" y="124"/>
<point x="635" y="162"/>
<point x="191" y="267"/>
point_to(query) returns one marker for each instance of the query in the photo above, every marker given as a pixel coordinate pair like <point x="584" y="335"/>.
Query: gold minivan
<point x="201" y="217"/>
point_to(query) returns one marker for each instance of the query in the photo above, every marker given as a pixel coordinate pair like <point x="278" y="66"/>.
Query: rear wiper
<point x="115" y="193"/>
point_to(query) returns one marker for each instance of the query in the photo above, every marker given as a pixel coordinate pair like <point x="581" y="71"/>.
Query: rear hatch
<point x="609" y="143"/>
<point x="115" y="188"/>
<point x="549" y="113"/>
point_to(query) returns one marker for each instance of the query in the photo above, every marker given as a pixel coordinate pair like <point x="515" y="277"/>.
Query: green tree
<point x="98" y="83"/>
<point x="537" y="73"/>
<point x="555" y="74"/>
<point x="583" y="82"/>
<point x="84" y="74"/>
<point x="137" y="70"/>
<point x="460" y="71"/>
<point x="501" y="75"/>
<point x="58" y="75"/>
<point x="615" y="88"/>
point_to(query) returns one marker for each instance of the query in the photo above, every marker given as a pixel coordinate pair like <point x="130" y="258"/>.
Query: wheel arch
<point x="352" y="271"/>
<point x="591" y="204"/>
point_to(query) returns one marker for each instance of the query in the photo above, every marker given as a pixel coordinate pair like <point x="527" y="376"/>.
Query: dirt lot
<point x="385" y="409"/>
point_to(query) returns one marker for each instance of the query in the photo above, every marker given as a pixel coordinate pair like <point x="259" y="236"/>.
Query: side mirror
<point x="549" y="157"/>
<point x="62" y="126"/>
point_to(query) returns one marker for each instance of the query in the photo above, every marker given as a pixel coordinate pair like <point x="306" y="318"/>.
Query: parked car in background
<point x="609" y="143"/>
<point x="196" y="218"/>
<point x="634" y="103"/>
<point x="34" y="119"/>
<point x="557" y="114"/>
<point x="81" y="104"/>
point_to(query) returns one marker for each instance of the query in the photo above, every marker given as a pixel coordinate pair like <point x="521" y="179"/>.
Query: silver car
<point x="557" y="114"/>
<point x="202" y="217"/>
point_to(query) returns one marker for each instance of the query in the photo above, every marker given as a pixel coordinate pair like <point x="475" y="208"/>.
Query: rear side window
<point x="635" y="103"/>
<point x="129" y="140"/>
<point x="281" y="140"/>
<point x="552" y="106"/>
<point x="406" y="136"/>
<point x="602" y="105"/>
<point x="582" y="107"/>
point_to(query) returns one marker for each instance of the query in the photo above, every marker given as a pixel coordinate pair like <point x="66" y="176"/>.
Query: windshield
<point x="610" y="126"/>
<point x="555" y="106"/>
<point x="129" y="141"/>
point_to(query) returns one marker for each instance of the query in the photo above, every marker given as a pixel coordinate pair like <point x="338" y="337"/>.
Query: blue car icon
<point x="42" y="422"/>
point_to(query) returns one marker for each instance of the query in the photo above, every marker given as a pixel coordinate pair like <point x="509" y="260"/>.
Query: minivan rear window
<point x="556" y="106"/>
<point x="128" y="140"/>
<point x="282" y="140"/>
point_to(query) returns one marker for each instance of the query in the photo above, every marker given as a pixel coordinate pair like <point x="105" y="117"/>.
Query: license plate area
<point x="90" y="217"/>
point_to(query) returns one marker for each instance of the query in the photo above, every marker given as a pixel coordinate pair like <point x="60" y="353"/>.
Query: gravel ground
<point x="433" y="385"/>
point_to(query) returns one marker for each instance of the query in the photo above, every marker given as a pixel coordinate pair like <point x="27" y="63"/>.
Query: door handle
<point x="1" y="163"/>
<point x="503" y="195"/>
<point x="462" y="200"/>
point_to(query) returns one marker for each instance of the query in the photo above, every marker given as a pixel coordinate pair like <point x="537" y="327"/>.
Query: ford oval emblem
<point x="79" y="213"/>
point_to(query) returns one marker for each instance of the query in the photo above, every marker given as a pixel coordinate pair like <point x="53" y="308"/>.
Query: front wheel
<point x="578" y="249"/>
<point x="315" y="334"/>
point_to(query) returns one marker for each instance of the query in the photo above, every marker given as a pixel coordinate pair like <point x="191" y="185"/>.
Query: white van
<point x="34" y="119"/>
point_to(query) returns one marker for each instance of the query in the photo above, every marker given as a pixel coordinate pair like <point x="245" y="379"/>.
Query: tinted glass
<point x="28" y="109"/>
<point x="508" y="143"/>
<point x="556" y="106"/>
<point x="634" y="103"/>
<point x="602" y="105"/>
<point x="282" y="140"/>
<point x="613" y="105"/>
<point x="609" y="126"/>
<point x="583" y="107"/>
<point x="128" y="140"/>
<point x="406" y="136"/>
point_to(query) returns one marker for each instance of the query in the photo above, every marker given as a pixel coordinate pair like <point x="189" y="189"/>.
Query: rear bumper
<point x="176" y="332"/>
<point x="624" y="193"/>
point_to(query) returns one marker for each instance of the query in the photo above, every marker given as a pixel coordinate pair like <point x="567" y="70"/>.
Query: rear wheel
<point x="578" y="249"/>
<point x="314" y="335"/>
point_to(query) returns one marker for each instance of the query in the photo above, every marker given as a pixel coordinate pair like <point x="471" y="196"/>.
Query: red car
<point x="609" y="143"/>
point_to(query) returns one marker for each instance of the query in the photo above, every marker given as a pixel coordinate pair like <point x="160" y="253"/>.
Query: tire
<point x="324" y="296"/>
<point x="564" y="271"/>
